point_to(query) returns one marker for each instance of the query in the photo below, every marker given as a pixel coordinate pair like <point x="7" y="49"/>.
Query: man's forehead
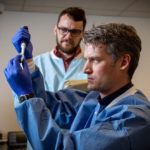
<point x="67" y="20"/>
<point x="90" y="52"/>
<point x="94" y="50"/>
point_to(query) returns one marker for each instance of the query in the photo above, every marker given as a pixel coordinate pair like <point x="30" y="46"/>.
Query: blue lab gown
<point x="54" y="73"/>
<point x="73" y="120"/>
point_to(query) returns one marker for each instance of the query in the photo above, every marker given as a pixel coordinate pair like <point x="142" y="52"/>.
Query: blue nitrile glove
<point x="19" y="79"/>
<point x="23" y="35"/>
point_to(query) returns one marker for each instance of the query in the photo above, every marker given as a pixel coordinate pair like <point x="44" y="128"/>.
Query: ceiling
<point x="122" y="8"/>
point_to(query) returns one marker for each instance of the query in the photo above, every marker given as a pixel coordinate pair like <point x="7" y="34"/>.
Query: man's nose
<point x="87" y="68"/>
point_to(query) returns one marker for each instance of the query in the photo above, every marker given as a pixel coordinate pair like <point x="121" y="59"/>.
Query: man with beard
<point x="65" y="62"/>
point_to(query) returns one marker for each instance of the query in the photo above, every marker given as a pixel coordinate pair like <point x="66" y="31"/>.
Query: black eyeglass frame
<point x="73" y="32"/>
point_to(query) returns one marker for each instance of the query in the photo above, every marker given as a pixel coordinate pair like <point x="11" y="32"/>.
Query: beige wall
<point x="41" y="28"/>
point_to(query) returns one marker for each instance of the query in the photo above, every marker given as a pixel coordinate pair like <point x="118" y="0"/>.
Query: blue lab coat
<point x="74" y="120"/>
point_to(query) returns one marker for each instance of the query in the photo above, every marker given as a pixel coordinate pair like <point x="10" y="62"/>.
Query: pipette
<point x="23" y="47"/>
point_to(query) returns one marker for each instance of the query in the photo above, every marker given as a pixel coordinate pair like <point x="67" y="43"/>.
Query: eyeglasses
<point x="73" y="32"/>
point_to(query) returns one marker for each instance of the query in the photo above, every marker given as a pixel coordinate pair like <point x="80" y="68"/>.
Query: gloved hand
<point x="23" y="35"/>
<point x="19" y="79"/>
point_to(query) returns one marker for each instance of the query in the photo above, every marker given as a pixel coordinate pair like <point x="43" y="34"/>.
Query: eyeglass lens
<point x="73" y="32"/>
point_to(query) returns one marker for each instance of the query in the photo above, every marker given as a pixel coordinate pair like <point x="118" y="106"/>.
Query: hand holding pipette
<point x="22" y="43"/>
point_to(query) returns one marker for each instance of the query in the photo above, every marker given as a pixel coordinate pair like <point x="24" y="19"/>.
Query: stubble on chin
<point x="70" y="50"/>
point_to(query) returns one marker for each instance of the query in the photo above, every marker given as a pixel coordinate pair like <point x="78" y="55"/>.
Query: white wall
<point x="41" y="28"/>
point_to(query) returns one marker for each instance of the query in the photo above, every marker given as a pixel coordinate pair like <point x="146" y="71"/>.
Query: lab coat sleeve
<point x="109" y="133"/>
<point x="62" y="104"/>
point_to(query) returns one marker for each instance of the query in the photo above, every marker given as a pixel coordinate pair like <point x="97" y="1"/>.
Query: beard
<point x="68" y="51"/>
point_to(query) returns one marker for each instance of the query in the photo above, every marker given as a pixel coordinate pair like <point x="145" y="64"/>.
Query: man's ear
<point x="125" y="61"/>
